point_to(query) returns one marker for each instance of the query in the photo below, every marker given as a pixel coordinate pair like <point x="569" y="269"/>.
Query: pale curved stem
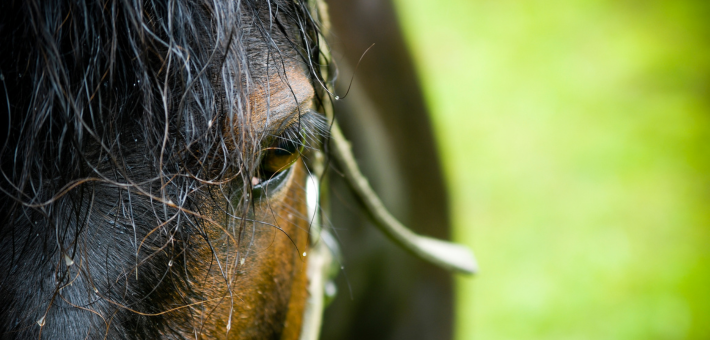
<point x="448" y="255"/>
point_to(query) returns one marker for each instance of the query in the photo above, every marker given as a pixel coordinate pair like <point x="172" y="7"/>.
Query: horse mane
<point x="140" y="102"/>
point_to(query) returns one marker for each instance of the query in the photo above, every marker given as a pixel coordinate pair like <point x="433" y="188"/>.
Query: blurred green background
<point x="575" y="141"/>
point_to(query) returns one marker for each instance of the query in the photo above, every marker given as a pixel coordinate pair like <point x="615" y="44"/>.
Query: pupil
<point x="285" y="148"/>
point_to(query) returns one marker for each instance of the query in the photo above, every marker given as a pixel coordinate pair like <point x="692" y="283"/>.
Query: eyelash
<point x="309" y="130"/>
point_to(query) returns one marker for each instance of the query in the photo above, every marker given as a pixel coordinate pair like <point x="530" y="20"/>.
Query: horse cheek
<point x="282" y="267"/>
<point x="299" y="226"/>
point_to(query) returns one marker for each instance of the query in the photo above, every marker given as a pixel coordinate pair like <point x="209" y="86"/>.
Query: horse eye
<point x="279" y="156"/>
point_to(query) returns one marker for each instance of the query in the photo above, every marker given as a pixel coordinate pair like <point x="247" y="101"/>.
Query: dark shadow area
<point x="394" y="295"/>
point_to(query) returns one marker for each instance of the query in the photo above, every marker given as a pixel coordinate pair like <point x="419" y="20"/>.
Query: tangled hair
<point x="124" y="115"/>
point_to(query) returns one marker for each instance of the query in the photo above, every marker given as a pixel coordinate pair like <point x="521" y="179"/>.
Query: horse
<point x="154" y="164"/>
<point x="158" y="169"/>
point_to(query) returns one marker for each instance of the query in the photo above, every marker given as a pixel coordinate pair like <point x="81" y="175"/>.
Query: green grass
<point x="575" y="138"/>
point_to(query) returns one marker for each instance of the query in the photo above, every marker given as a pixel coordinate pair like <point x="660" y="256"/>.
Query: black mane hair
<point x="120" y="116"/>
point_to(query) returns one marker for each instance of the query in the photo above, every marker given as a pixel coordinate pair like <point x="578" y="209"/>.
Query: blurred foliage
<point x="575" y="136"/>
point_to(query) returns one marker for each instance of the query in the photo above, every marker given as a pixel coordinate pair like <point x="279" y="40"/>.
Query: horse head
<point x="161" y="169"/>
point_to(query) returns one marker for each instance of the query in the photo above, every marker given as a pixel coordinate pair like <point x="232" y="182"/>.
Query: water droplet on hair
<point x="170" y="263"/>
<point x="96" y="290"/>
<point x="304" y="253"/>
<point x="242" y="260"/>
<point x="40" y="322"/>
<point x="337" y="97"/>
<point x="209" y="124"/>
<point x="69" y="262"/>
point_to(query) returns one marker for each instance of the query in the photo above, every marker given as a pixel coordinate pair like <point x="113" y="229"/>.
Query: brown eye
<point x="281" y="151"/>
<point x="279" y="156"/>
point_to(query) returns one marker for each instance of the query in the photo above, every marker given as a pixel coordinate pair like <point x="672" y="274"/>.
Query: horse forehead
<point x="280" y="96"/>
